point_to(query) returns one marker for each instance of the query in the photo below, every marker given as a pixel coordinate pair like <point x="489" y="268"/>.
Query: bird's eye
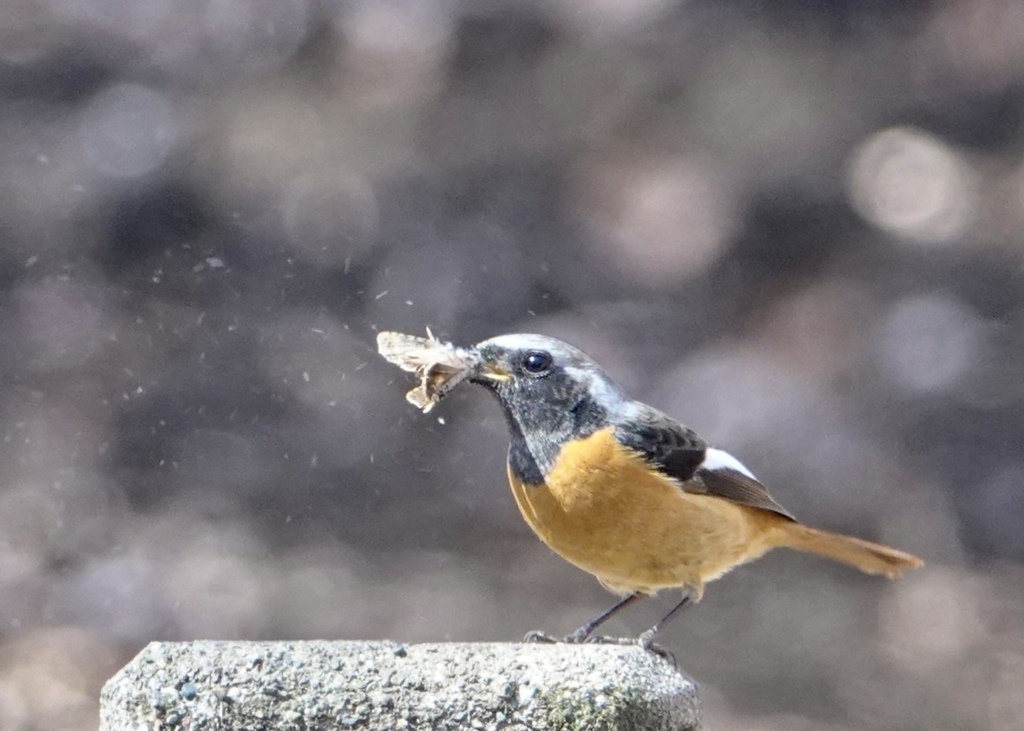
<point x="536" y="362"/>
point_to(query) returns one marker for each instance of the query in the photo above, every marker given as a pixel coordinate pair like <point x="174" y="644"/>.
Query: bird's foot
<point x="575" y="638"/>
<point x="606" y="640"/>
<point x="646" y="641"/>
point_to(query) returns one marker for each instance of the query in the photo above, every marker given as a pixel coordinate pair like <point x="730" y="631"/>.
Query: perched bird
<point x="626" y="493"/>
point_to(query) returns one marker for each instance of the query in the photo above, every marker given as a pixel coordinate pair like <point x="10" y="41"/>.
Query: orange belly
<point x="603" y="509"/>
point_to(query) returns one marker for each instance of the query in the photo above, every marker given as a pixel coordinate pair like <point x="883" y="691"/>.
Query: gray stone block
<point x="297" y="686"/>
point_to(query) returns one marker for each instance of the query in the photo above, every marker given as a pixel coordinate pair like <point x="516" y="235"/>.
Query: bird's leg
<point x="583" y="633"/>
<point x="646" y="639"/>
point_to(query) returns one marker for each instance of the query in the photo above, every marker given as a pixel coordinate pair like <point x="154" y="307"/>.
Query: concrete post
<point x="295" y="686"/>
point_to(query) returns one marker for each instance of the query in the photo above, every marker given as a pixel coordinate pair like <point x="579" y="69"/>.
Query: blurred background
<point x="796" y="226"/>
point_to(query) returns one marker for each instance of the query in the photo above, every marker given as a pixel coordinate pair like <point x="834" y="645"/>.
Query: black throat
<point x="521" y="464"/>
<point x="539" y="431"/>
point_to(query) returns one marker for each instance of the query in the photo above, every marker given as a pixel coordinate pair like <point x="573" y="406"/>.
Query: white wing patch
<point x="717" y="459"/>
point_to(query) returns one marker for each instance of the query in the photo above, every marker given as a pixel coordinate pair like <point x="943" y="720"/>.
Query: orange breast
<point x="605" y="510"/>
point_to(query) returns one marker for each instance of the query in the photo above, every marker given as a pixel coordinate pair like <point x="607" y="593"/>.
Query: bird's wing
<point x="723" y="475"/>
<point x="673" y="448"/>
<point x="681" y="454"/>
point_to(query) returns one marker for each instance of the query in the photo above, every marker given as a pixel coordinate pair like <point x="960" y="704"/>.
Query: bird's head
<point x="547" y="387"/>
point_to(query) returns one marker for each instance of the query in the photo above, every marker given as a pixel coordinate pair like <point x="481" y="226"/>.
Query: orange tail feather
<point x="871" y="558"/>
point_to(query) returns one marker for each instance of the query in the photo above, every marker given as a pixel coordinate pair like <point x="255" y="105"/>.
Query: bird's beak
<point x="491" y="372"/>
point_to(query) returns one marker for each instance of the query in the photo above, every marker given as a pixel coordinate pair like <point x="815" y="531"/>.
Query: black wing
<point x="736" y="486"/>
<point x="680" y="453"/>
<point x="673" y="448"/>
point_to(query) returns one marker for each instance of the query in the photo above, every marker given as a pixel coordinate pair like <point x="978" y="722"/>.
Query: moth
<point x="439" y="365"/>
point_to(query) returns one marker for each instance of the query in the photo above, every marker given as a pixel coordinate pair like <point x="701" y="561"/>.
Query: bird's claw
<point x="646" y="641"/>
<point x="573" y="638"/>
<point x="606" y="640"/>
<point x="576" y="637"/>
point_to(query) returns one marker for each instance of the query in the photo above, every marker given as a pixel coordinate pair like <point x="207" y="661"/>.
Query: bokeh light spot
<point x="658" y="221"/>
<point x="928" y="343"/>
<point x="127" y="130"/>
<point x="912" y="184"/>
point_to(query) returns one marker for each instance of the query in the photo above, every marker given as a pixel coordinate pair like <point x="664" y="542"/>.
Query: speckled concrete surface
<point x="386" y="685"/>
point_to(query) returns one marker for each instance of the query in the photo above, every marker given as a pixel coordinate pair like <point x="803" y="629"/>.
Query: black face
<point x="550" y="393"/>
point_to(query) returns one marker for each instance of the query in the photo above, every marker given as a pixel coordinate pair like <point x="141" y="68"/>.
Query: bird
<point x="630" y="495"/>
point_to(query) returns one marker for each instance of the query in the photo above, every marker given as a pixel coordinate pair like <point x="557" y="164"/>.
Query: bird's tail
<point x="871" y="558"/>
